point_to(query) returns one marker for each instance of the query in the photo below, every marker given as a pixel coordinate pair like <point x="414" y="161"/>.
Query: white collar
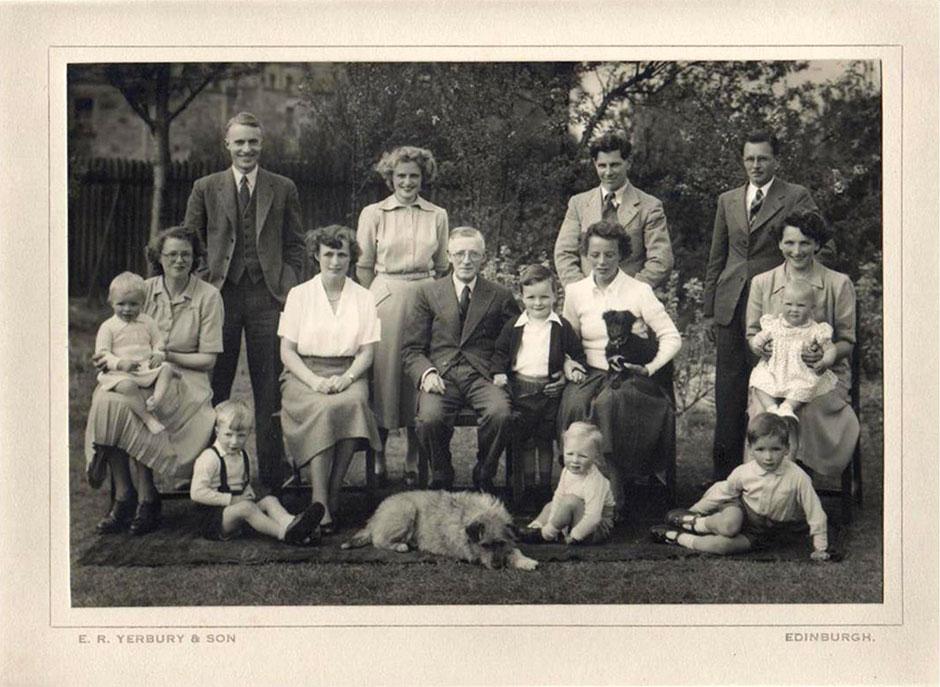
<point x="613" y="286"/>
<point x="252" y="177"/>
<point x="458" y="285"/>
<point x="752" y="189"/>
<point x="523" y="319"/>
<point x="618" y="193"/>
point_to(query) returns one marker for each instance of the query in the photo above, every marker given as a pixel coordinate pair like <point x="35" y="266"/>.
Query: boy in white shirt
<point x="221" y="486"/>
<point x="764" y="502"/>
<point x="532" y="357"/>
<point x="582" y="509"/>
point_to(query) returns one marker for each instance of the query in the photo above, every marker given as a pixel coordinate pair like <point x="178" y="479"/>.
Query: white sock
<point x="687" y="540"/>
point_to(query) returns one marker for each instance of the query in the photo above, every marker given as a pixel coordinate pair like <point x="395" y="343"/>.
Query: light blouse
<point x="586" y="303"/>
<point x="309" y="321"/>
<point x="192" y="320"/>
<point x="403" y="239"/>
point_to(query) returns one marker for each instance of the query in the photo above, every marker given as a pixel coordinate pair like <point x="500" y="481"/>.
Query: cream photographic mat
<point x="44" y="640"/>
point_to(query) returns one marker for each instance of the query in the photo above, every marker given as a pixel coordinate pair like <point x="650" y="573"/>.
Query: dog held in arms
<point x="468" y="526"/>
<point x="623" y="346"/>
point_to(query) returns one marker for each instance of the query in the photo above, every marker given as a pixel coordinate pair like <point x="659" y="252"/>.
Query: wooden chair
<point x="853" y="471"/>
<point x="465" y="418"/>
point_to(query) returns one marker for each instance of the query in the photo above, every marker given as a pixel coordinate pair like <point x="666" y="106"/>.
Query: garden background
<point x="509" y="138"/>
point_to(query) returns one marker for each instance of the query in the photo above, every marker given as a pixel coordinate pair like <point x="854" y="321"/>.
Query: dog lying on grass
<point x="625" y="348"/>
<point x="468" y="526"/>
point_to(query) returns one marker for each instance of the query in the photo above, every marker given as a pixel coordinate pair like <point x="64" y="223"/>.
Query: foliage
<point x="158" y="92"/>
<point x="498" y="130"/>
<point x="694" y="375"/>
<point x="868" y="293"/>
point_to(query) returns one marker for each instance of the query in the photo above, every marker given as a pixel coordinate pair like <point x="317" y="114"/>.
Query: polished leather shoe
<point x="147" y="518"/>
<point x="531" y="535"/>
<point x="118" y="517"/>
<point x="304" y="524"/>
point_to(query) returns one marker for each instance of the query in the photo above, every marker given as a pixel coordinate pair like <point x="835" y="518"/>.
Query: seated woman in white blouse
<point x="637" y="418"/>
<point x="329" y="329"/>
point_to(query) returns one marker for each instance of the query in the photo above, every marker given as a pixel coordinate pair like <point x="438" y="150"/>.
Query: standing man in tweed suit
<point x="250" y="221"/>
<point x="616" y="199"/>
<point x="743" y="247"/>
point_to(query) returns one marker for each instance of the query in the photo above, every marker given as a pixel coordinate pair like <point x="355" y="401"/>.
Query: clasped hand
<point x="331" y="385"/>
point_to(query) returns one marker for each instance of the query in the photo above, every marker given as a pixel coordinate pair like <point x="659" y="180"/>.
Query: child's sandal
<point x="682" y="519"/>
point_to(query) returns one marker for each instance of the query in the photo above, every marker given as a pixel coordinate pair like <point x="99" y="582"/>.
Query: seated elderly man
<point x="447" y="348"/>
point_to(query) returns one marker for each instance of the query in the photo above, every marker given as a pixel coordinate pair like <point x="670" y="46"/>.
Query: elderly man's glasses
<point x="174" y="256"/>
<point x="462" y="255"/>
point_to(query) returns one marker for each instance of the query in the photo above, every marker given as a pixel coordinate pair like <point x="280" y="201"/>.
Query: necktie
<point x="244" y="195"/>
<point x="755" y="206"/>
<point x="610" y="208"/>
<point x="464" y="302"/>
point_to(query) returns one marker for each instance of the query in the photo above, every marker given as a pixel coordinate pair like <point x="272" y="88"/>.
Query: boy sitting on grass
<point x="221" y="487"/>
<point x="762" y="503"/>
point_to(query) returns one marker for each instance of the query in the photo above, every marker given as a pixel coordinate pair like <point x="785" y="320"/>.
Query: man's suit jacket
<point x="562" y="341"/>
<point x="434" y="337"/>
<point x="739" y="251"/>
<point x="642" y="217"/>
<point x="212" y="210"/>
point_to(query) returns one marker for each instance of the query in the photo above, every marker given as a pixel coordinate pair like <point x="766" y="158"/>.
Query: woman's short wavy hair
<point x="154" y="249"/>
<point x="611" y="231"/>
<point x="810" y="222"/>
<point x="422" y="157"/>
<point x="333" y="236"/>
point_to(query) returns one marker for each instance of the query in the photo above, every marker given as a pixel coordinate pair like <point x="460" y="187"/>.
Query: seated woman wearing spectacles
<point x="188" y="311"/>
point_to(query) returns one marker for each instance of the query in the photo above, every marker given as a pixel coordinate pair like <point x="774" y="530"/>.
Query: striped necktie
<point x="755" y="206"/>
<point x="244" y="195"/>
<point x="610" y="208"/>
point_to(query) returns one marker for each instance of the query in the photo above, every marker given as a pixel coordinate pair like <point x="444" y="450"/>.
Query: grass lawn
<point x="857" y="579"/>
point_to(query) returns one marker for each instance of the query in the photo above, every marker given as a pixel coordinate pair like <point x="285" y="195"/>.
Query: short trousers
<point x="764" y="533"/>
<point x="210" y="524"/>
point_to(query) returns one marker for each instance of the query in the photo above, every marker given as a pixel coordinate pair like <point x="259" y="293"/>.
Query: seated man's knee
<point x="430" y="410"/>
<point x="498" y="410"/>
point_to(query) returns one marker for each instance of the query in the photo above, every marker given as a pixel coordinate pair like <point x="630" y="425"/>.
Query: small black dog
<point x="623" y="346"/>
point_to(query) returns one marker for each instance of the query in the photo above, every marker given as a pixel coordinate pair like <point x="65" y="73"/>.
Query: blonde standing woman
<point x="404" y="243"/>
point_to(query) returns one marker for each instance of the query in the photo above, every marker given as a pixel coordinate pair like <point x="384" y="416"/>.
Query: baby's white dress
<point x="785" y="375"/>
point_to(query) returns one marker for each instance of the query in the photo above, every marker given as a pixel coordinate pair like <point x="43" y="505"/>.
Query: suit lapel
<point x="446" y="298"/>
<point x="265" y="197"/>
<point x="738" y="216"/>
<point x="480" y="300"/>
<point x="593" y="208"/>
<point x="772" y="204"/>
<point x="228" y="197"/>
<point x="629" y="204"/>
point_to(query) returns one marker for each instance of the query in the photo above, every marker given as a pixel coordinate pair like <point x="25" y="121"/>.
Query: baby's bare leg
<point x="137" y="404"/>
<point x="568" y="512"/>
<point x="160" y="387"/>
<point x="795" y="405"/>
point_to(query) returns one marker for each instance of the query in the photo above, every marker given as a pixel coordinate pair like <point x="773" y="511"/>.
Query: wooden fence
<point x="110" y="202"/>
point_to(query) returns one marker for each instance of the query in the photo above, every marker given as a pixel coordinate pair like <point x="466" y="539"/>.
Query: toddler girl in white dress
<point x="783" y="383"/>
<point x="135" y="350"/>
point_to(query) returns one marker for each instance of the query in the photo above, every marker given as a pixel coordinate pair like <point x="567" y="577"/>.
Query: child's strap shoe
<point x="682" y="519"/>
<point x="531" y="535"/>
<point x="661" y="534"/>
<point x="303" y="525"/>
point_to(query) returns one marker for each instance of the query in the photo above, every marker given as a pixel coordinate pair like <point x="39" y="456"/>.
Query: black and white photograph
<point x="686" y="195"/>
<point x="577" y="344"/>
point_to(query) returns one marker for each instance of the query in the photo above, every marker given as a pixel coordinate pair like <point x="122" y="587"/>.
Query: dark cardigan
<point x="563" y="341"/>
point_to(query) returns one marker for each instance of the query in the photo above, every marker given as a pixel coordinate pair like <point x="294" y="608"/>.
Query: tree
<point x="498" y="130"/>
<point x="158" y="93"/>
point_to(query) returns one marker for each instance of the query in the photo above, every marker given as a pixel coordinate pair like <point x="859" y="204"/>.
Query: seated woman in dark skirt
<point x="329" y="329"/>
<point x="637" y="415"/>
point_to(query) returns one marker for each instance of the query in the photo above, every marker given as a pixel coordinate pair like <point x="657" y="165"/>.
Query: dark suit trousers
<point x="434" y="423"/>
<point x="732" y="371"/>
<point x="251" y="308"/>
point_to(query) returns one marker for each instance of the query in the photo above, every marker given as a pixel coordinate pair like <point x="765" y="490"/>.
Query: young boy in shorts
<point x="761" y="505"/>
<point x="221" y="486"/>
<point x="531" y="357"/>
